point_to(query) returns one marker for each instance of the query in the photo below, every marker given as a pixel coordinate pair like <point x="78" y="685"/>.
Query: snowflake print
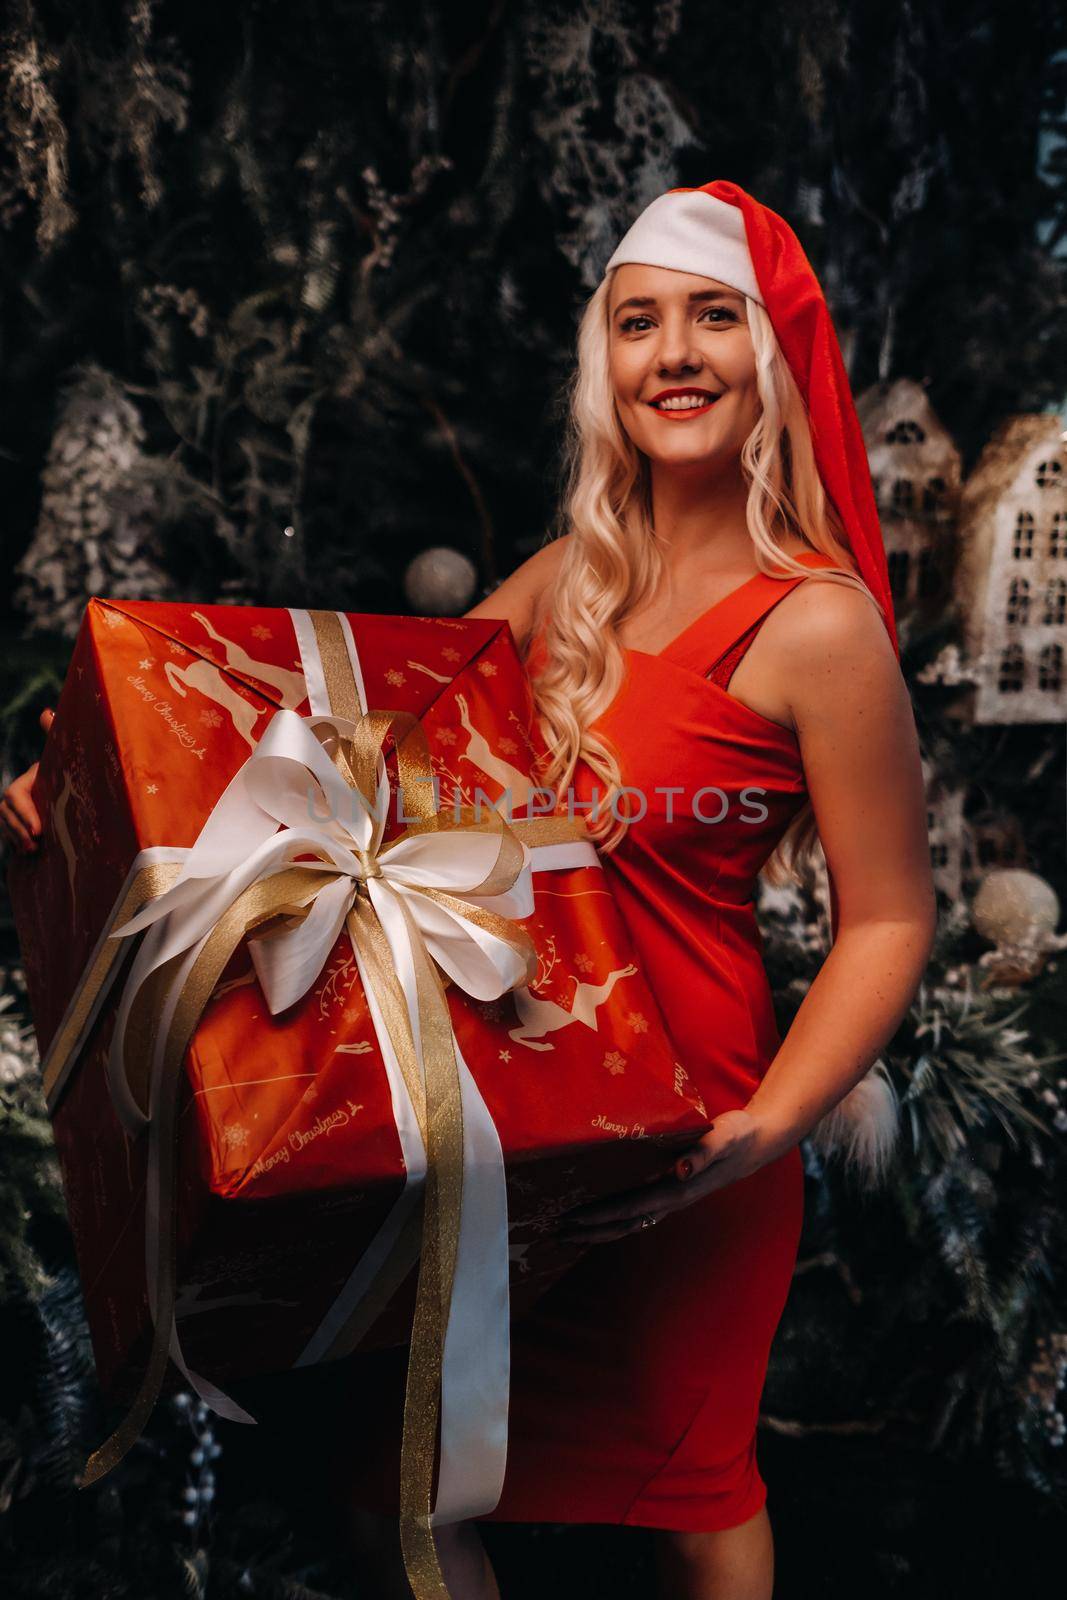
<point x="508" y="746"/>
<point x="176" y="649"/>
<point x="615" y="1062"/>
<point x="584" y="963"/>
<point x="447" y="735"/>
<point x="487" y="669"/>
<point x="505" y="1055"/>
<point x="151" y="788"/>
<point x="450" y="654"/>
<point x="235" y="1137"/>
<point x="211" y="719"/>
<point x="146" y="663"/>
<point x="260" y="632"/>
<point x="637" y="1022"/>
<point x="491" y="1010"/>
<point x="394" y="678"/>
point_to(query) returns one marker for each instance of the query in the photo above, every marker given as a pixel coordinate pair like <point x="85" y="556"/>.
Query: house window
<point x="1011" y="670"/>
<point x="1018" y="610"/>
<point x="1049" y="474"/>
<point x="903" y="499"/>
<point x="1056" y="602"/>
<point x="898" y="564"/>
<point x="1057" y="539"/>
<point x="1022" y="547"/>
<point x="1050" y="667"/>
<point x="905" y="432"/>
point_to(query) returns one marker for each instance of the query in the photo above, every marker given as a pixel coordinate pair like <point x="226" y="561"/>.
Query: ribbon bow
<point x="458" y="879"/>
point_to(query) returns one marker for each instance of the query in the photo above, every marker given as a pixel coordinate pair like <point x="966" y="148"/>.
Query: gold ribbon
<point x="436" y="1101"/>
<point x="146" y="885"/>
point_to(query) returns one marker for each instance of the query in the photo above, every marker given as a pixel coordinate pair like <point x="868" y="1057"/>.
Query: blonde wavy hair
<point x="614" y="562"/>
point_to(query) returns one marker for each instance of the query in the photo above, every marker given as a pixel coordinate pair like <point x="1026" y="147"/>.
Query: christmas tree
<point x="290" y="305"/>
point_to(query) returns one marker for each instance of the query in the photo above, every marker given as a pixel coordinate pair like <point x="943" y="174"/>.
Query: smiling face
<point x="682" y="366"/>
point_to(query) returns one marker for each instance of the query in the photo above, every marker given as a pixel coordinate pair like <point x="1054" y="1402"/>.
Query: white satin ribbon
<point x="476" y="1367"/>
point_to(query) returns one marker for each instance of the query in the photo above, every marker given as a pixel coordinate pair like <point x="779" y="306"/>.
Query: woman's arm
<point x="836" y="670"/>
<point x="860" y="750"/>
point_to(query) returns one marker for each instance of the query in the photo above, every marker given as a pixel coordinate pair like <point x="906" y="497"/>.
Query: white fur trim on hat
<point x="692" y="231"/>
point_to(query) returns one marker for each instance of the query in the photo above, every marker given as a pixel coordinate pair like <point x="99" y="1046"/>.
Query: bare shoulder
<point x="835" y="656"/>
<point x="860" y="750"/>
<point x="518" y="599"/>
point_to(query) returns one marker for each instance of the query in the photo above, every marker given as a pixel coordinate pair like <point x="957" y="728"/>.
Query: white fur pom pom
<point x="862" y="1128"/>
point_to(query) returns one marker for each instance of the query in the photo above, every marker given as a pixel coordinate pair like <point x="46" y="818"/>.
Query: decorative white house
<point x="915" y="469"/>
<point x="990" y="840"/>
<point x="947" y="831"/>
<point x="1012" y="577"/>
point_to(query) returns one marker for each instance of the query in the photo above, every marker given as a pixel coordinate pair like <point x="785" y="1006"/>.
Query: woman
<point x="713" y="443"/>
<point x="714" y="632"/>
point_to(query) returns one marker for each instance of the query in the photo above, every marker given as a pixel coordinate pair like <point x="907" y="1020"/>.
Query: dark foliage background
<point x="317" y="268"/>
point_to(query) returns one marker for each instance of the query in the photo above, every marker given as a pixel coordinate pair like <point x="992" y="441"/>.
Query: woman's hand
<point x="20" y="824"/>
<point x="737" y="1143"/>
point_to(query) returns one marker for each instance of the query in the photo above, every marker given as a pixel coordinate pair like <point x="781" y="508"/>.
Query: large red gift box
<point x="289" y="1156"/>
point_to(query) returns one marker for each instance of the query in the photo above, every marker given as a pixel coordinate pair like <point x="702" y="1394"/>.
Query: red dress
<point x="636" y="1378"/>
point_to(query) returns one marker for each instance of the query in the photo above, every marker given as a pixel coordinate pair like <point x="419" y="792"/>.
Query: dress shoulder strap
<point x="737" y="618"/>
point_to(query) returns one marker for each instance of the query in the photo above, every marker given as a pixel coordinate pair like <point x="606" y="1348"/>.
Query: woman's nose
<point x="676" y="348"/>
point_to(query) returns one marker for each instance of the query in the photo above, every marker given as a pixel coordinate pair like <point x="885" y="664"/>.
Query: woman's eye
<point x="722" y="311"/>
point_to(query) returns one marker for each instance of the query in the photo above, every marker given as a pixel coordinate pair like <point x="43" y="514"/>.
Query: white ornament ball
<point x="1013" y="907"/>
<point x="440" y="582"/>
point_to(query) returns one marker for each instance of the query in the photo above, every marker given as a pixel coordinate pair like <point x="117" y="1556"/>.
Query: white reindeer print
<point x="290" y="685"/>
<point x="438" y="677"/>
<point x="516" y="784"/>
<point x="538" y="1017"/>
<point x="517" y="1252"/>
<point x="193" y="1299"/>
<point x="206" y="679"/>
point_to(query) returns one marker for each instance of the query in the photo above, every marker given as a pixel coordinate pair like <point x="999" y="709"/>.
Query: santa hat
<point x="719" y="231"/>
